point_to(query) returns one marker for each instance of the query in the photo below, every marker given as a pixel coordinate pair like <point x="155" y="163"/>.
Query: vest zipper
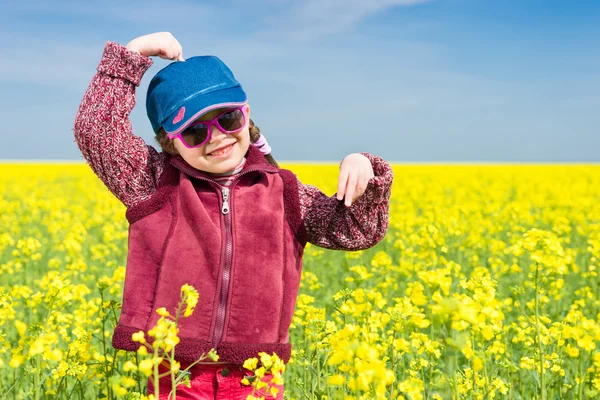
<point x="225" y="210"/>
<point x="218" y="334"/>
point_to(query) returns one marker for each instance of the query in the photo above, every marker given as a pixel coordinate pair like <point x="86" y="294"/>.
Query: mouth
<point x="222" y="152"/>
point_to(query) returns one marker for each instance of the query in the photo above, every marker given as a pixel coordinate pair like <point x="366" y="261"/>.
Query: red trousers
<point x="215" y="382"/>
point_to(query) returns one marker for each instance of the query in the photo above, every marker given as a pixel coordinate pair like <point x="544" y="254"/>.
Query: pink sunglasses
<point x="195" y="135"/>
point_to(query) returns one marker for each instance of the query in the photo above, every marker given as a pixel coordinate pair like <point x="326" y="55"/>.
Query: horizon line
<point x="321" y="162"/>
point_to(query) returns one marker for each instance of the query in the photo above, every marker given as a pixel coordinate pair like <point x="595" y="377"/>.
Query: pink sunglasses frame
<point x="214" y="121"/>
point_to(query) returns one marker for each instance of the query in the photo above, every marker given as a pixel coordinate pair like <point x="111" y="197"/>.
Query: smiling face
<point x="222" y="152"/>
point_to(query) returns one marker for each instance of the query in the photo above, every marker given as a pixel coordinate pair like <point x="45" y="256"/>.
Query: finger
<point x="361" y="188"/>
<point x="350" y="188"/>
<point x="166" y="54"/>
<point x="342" y="183"/>
<point x="358" y="190"/>
<point x="170" y="53"/>
<point x="179" y="52"/>
<point x="366" y="184"/>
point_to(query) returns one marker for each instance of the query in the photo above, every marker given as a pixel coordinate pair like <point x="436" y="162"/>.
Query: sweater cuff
<point x="378" y="189"/>
<point x="120" y="62"/>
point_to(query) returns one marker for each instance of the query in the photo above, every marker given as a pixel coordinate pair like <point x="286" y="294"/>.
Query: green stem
<point x="137" y="364"/>
<point x="453" y="366"/>
<point x="36" y="380"/>
<point x="104" y="345"/>
<point x="539" y="335"/>
<point x="475" y="389"/>
<point x="580" y="389"/>
<point x="424" y="383"/>
<point x="393" y="359"/>
<point x="318" y="369"/>
<point x="304" y="370"/>
<point x="172" y="355"/>
<point x="81" y="390"/>
<point x="173" y="383"/>
<point x="156" y="378"/>
<point x="10" y="389"/>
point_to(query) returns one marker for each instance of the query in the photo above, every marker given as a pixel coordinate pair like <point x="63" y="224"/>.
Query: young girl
<point x="213" y="210"/>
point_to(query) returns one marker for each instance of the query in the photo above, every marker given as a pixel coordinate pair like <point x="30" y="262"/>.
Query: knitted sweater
<point x="131" y="169"/>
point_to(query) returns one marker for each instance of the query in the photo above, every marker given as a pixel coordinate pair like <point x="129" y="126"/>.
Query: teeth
<point x="222" y="151"/>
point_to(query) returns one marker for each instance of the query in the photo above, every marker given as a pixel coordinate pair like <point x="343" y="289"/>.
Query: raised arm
<point x="331" y="224"/>
<point x="123" y="161"/>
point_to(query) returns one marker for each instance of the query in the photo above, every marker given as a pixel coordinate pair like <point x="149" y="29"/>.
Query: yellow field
<point x="485" y="287"/>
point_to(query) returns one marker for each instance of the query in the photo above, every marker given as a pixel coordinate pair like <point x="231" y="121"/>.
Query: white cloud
<point x="307" y="20"/>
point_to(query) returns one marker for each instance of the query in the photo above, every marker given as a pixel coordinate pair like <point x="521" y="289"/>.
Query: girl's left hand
<point x="355" y="172"/>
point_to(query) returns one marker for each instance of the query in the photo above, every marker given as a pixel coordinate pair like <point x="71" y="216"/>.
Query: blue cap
<point x="184" y="90"/>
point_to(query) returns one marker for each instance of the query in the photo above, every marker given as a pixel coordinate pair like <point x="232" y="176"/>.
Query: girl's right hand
<point x="161" y="44"/>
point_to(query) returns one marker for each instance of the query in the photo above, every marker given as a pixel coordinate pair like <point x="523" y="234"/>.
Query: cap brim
<point x="202" y="104"/>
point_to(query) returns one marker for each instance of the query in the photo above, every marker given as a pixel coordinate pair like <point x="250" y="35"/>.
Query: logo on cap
<point x="179" y="115"/>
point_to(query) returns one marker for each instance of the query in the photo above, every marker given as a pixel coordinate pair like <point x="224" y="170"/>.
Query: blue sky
<point x="410" y="80"/>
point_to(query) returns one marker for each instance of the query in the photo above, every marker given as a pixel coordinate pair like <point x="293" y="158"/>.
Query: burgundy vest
<point x="240" y="246"/>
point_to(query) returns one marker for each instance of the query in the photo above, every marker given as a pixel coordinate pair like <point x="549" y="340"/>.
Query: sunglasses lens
<point x="232" y="120"/>
<point x="195" y="135"/>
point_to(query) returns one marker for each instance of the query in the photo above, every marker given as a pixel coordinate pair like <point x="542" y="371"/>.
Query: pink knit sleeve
<point x="330" y="224"/>
<point x="123" y="161"/>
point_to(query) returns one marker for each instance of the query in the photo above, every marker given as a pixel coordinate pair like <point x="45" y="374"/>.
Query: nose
<point x="215" y="134"/>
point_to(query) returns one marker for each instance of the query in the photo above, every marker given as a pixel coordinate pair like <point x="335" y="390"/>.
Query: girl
<point x="211" y="210"/>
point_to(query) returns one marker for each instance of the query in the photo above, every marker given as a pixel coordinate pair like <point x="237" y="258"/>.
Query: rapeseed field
<point x="485" y="287"/>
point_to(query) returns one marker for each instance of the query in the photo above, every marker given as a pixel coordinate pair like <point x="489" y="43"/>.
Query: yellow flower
<point x="138" y="337"/>
<point x="572" y="351"/>
<point x="251" y="363"/>
<point x="16" y="361"/>
<point x="146" y="367"/>
<point x="265" y="360"/>
<point x="21" y="327"/>
<point x="119" y="390"/>
<point x="162" y="311"/>
<point x="336" y="380"/>
<point x="477" y="364"/>
<point x="212" y="355"/>
<point x="586" y="343"/>
<point x="129" y="366"/>
<point x="190" y="296"/>
<point x="175" y="366"/>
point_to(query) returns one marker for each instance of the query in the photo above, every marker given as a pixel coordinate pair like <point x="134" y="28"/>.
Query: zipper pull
<point x="225" y="209"/>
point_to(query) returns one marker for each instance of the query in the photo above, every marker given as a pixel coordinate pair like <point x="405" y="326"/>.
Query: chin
<point x="225" y="165"/>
